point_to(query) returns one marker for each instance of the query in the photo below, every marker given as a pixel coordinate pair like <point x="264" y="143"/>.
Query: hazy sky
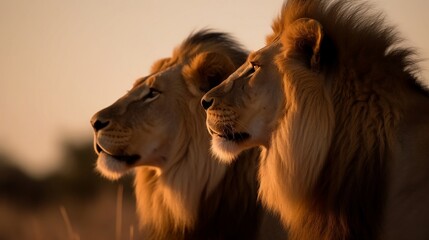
<point x="61" y="61"/>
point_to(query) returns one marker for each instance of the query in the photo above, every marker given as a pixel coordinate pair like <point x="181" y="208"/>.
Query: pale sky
<point x="61" y="61"/>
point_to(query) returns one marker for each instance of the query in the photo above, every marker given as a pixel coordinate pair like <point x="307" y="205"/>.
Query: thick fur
<point x="346" y="152"/>
<point x="182" y="191"/>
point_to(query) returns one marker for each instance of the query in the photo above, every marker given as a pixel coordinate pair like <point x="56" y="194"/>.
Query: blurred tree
<point x="77" y="180"/>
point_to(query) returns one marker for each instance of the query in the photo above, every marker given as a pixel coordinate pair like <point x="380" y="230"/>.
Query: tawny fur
<point x="185" y="193"/>
<point x="347" y="154"/>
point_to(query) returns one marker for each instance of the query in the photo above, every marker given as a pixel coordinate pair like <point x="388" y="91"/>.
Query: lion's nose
<point x="98" y="124"/>
<point x="206" y="102"/>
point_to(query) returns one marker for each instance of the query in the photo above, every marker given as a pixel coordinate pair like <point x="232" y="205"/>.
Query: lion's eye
<point x="254" y="67"/>
<point x="151" y="95"/>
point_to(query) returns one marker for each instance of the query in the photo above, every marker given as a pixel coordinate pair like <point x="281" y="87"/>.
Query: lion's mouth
<point x="128" y="159"/>
<point x="231" y="136"/>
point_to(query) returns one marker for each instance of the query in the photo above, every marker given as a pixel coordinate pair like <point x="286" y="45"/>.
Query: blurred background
<point x="62" y="61"/>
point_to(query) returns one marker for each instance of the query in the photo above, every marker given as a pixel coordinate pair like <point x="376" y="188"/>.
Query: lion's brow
<point x="140" y="80"/>
<point x="252" y="56"/>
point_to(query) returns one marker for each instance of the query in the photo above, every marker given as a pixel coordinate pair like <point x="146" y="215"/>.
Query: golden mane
<point x="203" y="41"/>
<point x="349" y="27"/>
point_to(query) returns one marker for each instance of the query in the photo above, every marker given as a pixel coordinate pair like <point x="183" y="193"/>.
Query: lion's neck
<point x="168" y="201"/>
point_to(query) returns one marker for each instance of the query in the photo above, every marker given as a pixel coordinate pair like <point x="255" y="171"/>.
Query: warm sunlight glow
<point x="60" y="61"/>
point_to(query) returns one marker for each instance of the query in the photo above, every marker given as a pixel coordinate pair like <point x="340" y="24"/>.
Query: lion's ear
<point x="304" y="37"/>
<point x="207" y="70"/>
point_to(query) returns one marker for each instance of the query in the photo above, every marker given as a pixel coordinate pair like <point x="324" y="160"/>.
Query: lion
<point x="158" y="131"/>
<point x="334" y="102"/>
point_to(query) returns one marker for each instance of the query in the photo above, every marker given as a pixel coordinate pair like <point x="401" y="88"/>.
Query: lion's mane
<point x="333" y="151"/>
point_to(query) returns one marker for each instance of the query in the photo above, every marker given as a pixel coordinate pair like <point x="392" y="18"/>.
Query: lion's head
<point x="151" y="123"/>
<point x="324" y="99"/>
<point x="244" y="111"/>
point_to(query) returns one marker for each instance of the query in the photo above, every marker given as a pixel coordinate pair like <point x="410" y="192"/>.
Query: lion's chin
<point x="110" y="167"/>
<point x="226" y="150"/>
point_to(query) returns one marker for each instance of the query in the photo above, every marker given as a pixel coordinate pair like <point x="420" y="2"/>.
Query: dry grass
<point x="70" y="233"/>
<point x="119" y="197"/>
